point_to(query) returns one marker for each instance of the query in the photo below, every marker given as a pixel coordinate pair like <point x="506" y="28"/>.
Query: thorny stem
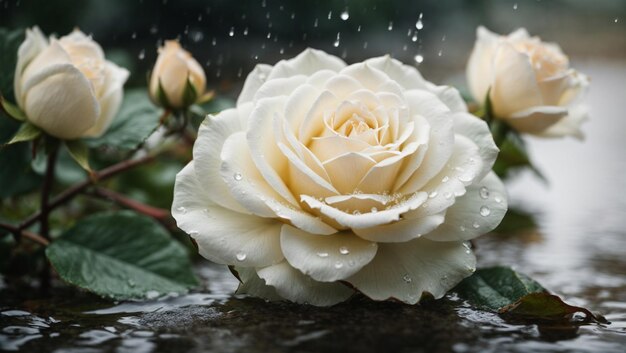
<point x="160" y="214"/>
<point x="44" y="222"/>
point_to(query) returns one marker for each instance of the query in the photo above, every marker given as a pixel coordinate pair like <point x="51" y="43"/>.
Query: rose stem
<point x="24" y="233"/>
<point x="44" y="224"/>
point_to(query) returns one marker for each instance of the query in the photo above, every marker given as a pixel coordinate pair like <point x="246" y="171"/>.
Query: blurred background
<point x="575" y="242"/>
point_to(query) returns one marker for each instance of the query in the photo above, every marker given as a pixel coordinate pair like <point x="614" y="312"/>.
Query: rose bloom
<point x="65" y="86"/>
<point x="530" y="83"/>
<point x="326" y="180"/>
<point x="174" y="69"/>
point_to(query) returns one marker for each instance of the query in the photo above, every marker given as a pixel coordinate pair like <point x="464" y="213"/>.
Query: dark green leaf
<point x="190" y="95"/>
<point x="545" y="306"/>
<point x="516" y="220"/>
<point x="26" y="132"/>
<point x="513" y="156"/>
<point x="16" y="175"/>
<point x="9" y="43"/>
<point x="121" y="255"/>
<point x="12" y="110"/>
<point x="162" y="96"/>
<point x="79" y="152"/>
<point x="137" y="119"/>
<point x="495" y="287"/>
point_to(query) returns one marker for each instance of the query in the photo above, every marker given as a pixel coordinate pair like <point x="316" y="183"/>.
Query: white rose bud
<point x="65" y="86"/>
<point x="530" y="83"/>
<point x="177" y="80"/>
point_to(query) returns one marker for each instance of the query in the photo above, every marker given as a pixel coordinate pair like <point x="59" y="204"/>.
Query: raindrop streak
<point x="390" y="26"/>
<point x="336" y="44"/>
<point x="330" y="15"/>
<point x="485" y="211"/>
<point x="484" y="193"/>
<point x="315" y="23"/>
<point x="345" y="15"/>
<point x="419" y="24"/>
<point x="232" y="31"/>
<point x="142" y="54"/>
<point x="241" y="256"/>
<point x="344" y="251"/>
<point x="419" y="58"/>
<point x="414" y="38"/>
<point x="237" y="176"/>
<point x="515" y="6"/>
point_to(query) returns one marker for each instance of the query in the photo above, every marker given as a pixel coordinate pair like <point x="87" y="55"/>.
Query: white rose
<point x="328" y="179"/>
<point x="174" y="69"/>
<point x="66" y="87"/>
<point x="530" y="83"/>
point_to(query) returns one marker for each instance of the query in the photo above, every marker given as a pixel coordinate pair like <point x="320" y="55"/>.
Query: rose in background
<point x="177" y="80"/>
<point x="328" y="179"/>
<point x="530" y="83"/>
<point x="65" y="86"/>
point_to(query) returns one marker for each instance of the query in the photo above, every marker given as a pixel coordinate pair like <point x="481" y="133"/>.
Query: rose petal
<point x="535" y="120"/>
<point x="252" y="285"/>
<point x="292" y="285"/>
<point x="477" y="130"/>
<point x="407" y="271"/>
<point x="480" y="65"/>
<point x="477" y="212"/>
<point x="569" y="125"/>
<point x="206" y="153"/>
<point x="255" y="79"/>
<point x="111" y="99"/>
<point x="306" y="63"/>
<point x="326" y="258"/>
<point x="345" y="171"/>
<point x="223" y="236"/>
<point x="34" y="44"/>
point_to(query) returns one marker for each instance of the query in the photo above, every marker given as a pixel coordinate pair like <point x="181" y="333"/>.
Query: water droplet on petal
<point x="485" y="211"/>
<point x="433" y="194"/>
<point x="322" y="254"/>
<point x="484" y="193"/>
<point x="374" y="209"/>
<point x="241" y="256"/>
<point x="152" y="294"/>
<point x="462" y="228"/>
<point x="407" y="278"/>
<point x="445" y="179"/>
<point x="447" y="195"/>
<point x="338" y="264"/>
<point x="497" y="199"/>
<point x="181" y="209"/>
<point x="237" y="176"/>
<point x="131" y="283"/>
<point x="344" y="250"/>
<point x="475" y="225"/>
<point x="419" y="58"/>
<point x="193" y="233"/>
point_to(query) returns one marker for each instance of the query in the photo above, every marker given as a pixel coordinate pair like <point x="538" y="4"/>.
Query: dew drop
<point x="356" y="213"/>
<point x="475" y="225"/>
<point x="419" y="58"/>
<point x="433" y="194"/>
<point x="447" y="195"/>
<point x="407" y="279"/>
<point x="497" y="199"/>
<point x="484" y="193"/>
<point x="322" y="254"/>
<point x="345" y="15"/>
<point x="131" y="283"/>
<point x="462" y="228"/>
<point x="344" y="250"/>
<point x="241" y="256"/>
<point x="181" y="209"/>
<point x="152" y="294"/>
<point x="338" y="264"/>
<point x="374" y="209"/>
<point x="485" y="211"/>
<point x="193" y="233"/>
<point x="237" y="176"/>
<point x="445" y="179"/>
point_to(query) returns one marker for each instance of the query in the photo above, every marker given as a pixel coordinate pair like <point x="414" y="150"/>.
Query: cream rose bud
<point x="530" y="83"/>
<point x="174" y="73"/>
<point x="65" y="86"/>
<point x="327" y="179"/>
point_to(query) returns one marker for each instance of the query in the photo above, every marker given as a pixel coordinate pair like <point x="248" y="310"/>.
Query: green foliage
<point x="12" y="110"/>
<point x="121" y="255"/>
<point x="547" y="307"/>
<point x="16" y="176"/>
<point x="79" y="152"/>
<point x="26" y="132"/>
<point x="9" y="43"/>
<point x="137" y="119"/>
<point x="495" y="287"/>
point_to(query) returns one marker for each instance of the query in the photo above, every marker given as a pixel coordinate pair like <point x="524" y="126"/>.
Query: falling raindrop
<point x="358" y="29"/>
<point x="615" y="20"/>
<point x="390" y="26"/>
<point x="241" y="256"/>
<point x="440" y="53"/>
<point x="336" y="44"/>
<point x="364" y="45"/>
<point x="238" y="176"/>
<point x="231" y="33"/>
<point x="345" y="15"/>
<point x="315" y="24"/>
<point x="344" y="250"/>
<point x="414" y="38"/>
<point x="330" y="15"/>
<point x="142" y="54"/>
<point x="154" y="29"/>
<point x="245" y="31"/>
<point x="419" y="24"/>
<point x="484" y="193"/>
<point x="134" y="35"/>
<point x="485" y="211"/>
<point x="515" y="6"/>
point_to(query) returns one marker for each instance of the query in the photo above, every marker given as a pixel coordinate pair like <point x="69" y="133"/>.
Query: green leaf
<point x="12" y="110"/>
<point x="26" y="132"/>
<point x="513" y="156"/>
<point x="495" y="287"/>
<point x="516" y="220"/>
<point x="79" y="151"/>
<point x="10" y="41"/>
<point x="137" y="119"/>
<point x="162" y="96"/>
<point x="121" y="255"/>
<point x="547" y="307"/>
<point x="16" y="174"/>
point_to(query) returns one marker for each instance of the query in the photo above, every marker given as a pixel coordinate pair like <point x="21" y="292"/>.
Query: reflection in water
<point x="577" y="251"/>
